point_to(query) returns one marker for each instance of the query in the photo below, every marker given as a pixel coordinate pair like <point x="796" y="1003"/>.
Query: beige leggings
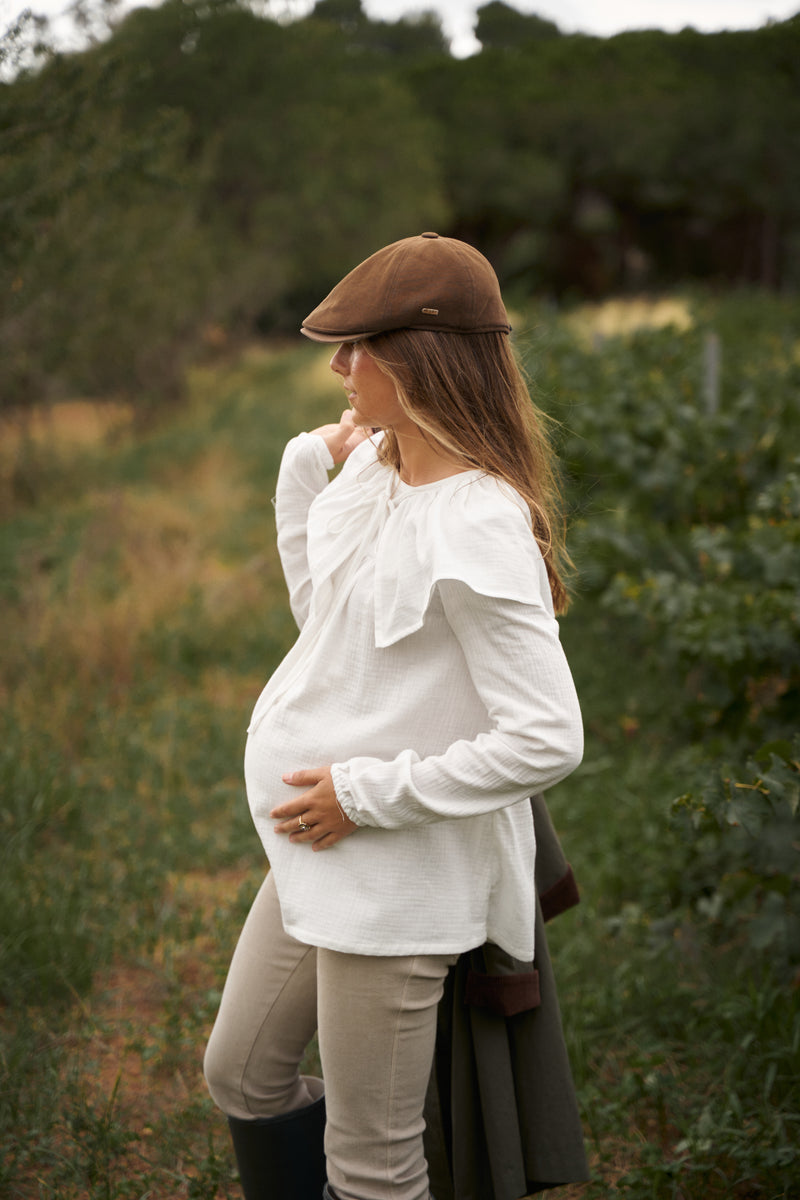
<point x="376" y="1018"/>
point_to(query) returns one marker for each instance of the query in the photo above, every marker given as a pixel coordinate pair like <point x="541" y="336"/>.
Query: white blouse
<point x="429" y="673"/>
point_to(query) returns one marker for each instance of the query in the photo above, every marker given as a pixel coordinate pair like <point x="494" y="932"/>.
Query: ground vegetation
<point x="144" y="609"/>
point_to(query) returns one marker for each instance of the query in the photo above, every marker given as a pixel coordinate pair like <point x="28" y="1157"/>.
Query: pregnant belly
<point x="279" y="746"/>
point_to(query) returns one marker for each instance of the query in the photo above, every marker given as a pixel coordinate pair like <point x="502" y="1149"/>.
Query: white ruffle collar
<point x="469" y="527"/>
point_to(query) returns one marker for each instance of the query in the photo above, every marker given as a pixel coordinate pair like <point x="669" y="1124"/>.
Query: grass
<point x="143" y="610"/>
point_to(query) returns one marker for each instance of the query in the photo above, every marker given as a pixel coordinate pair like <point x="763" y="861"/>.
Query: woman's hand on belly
<point x="315" y="816"/>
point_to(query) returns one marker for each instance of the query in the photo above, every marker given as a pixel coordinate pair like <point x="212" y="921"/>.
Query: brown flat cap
<point x="424" y="282"/>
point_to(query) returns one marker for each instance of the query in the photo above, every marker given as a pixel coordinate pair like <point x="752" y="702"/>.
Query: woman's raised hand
<point x="315" y="816"/>
<point x="343" y="438"/>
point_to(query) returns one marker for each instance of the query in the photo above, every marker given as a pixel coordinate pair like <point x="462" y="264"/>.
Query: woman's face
<point x="371" y="393"/>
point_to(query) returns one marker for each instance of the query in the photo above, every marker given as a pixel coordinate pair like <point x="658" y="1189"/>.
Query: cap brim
<point x="316" y="335"/>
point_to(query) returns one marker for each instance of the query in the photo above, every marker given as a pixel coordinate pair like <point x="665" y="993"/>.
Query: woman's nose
<point x="340" y="360"/>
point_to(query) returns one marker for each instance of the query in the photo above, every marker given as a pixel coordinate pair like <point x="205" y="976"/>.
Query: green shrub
<point x="741" y="828"/>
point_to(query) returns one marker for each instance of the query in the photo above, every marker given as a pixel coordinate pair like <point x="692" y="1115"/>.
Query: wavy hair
<point x="466" y="393"/>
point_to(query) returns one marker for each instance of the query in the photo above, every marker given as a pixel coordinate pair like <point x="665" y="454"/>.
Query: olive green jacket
<point x="502" y="1115"/>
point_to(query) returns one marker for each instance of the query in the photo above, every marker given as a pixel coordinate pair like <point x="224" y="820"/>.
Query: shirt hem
<point x="394" y="949"/>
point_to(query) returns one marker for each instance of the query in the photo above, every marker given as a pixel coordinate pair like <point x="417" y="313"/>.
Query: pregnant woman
<point x="390" y="757"/>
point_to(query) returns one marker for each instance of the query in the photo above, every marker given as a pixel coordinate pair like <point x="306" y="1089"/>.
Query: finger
<point x="298" y="804"/>
<point x="290" y="826"/>
<point x="305" y="778"/>
<point x="326" y="841"/>
<point x="315" y="833"/>
<point x="291" y="811"/>
<point x="306" y="812"/>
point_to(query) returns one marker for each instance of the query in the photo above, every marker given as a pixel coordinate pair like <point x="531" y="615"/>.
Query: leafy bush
<point x="688" y="514"/>
<point x="728" y="616"/>
<point x="742" y="830"/>
<point x="687" y="543"/>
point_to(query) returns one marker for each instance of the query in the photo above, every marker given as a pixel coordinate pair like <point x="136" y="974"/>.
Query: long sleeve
<point x="303" y="475"/>
<point x="535" y="737"/>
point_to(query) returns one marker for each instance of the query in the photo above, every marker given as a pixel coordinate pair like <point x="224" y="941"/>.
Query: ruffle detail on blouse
<point x="472" y="528"/>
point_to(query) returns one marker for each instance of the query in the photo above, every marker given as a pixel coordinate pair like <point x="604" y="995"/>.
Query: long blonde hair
<point x="468" y="394"/>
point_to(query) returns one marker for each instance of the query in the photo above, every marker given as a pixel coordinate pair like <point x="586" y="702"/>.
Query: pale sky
<point x="598" y="17"/>
<point x="584" y="16"/>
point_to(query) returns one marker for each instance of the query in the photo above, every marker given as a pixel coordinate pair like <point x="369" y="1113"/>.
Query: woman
<point x="391" y="756"/>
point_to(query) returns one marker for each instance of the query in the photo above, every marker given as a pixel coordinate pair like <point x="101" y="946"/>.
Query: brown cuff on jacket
<point x="503" y="995"/>
<point x="560" y="896"/>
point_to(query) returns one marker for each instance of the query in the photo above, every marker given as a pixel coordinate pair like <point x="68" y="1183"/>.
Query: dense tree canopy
<point x="501" y="27"/>
<point x="206" y="167"/>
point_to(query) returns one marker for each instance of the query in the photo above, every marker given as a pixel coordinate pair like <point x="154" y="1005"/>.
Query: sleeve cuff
<point x="313" y="443"/>
<point x="343" y="796"/>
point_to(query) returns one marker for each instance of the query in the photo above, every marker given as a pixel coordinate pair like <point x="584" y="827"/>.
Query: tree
<point x="413" y="36"/>
<point x="204" y="165"/>
<point x="501" y="27"/>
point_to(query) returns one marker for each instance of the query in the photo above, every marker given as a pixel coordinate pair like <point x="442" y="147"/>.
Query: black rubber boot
<point x="282" y="1158"/>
